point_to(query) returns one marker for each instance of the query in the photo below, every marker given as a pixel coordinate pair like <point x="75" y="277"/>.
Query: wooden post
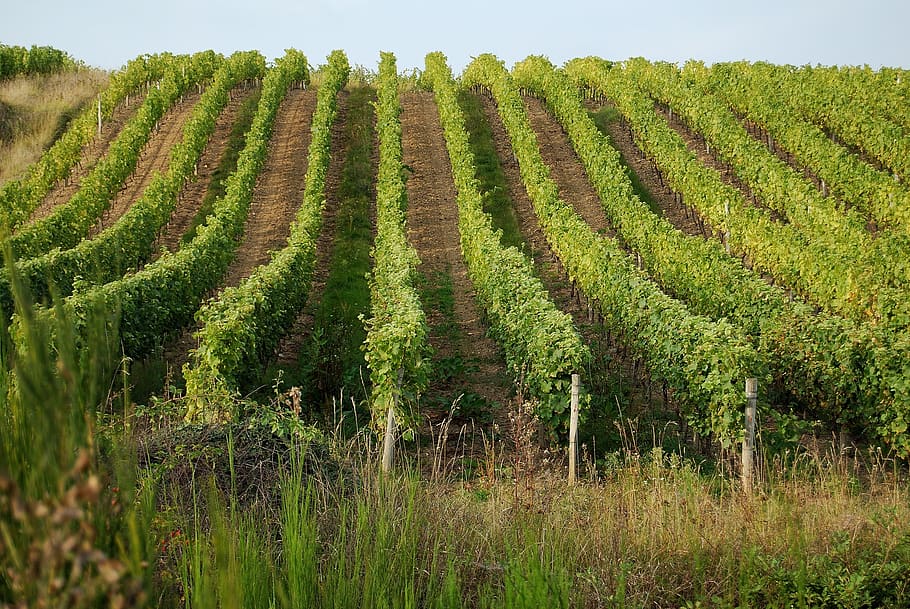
<point x="749" y="438"/>
<point x="391" y="429"/>
<point x="727" y="223"/>
<point x="99" y="115"/>
<point x="388" y="446"/>
<point x="573" y="429"/>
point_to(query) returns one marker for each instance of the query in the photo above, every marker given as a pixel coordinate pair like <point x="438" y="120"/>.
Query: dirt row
<point x="193" y="193"/>
<point x="276" y="197"/>
<point x="432" y="224"/>
<point x="279" y="189"/>
<point x="290" y="346"/>
<point x="91" y="154"/>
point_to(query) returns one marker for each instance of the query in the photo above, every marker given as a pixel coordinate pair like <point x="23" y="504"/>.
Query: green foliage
<point x="242" y="327"/>
<point x="18" y="199"/>
<point x="130" y="240"/>
<point x="161" y="298"/>
<point x="69" y="223"/>
<point x="17" y="61"/>
<point x="844" y="371"/>
<point x="755" y="91"/>
<point x="703" y="360"/>
<point x="849" y="272"/>
<point x="396" y="344"/>
<point x="541" y="345"/>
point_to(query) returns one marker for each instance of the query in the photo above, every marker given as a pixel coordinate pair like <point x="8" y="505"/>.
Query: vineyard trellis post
<point x="749" y="437"/>
<point x="391" y="428"/>
<point x="573" y="429"/>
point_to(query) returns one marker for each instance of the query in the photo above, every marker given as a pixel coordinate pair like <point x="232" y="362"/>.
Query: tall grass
<point x="37" y="111"/>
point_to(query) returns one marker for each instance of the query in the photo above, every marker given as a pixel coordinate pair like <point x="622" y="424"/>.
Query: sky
<point x="108" y="33"/>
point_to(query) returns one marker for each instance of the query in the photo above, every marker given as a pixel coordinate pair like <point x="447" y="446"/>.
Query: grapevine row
<point x="129" y="241"/>
<point x="704" y="361"/>
<point x="17" y="60"/>
<point x="19" y="198"/>
<point x="241" y="328"/>
<point x="873" y="263"/>
<point x="823" y="360"/>
<point x="396" y="347"/>
<point x="71" y="222"/>
<point x="542" y="347"/>
<point x="754" y="92"/>
<point x="144" y="307"/>
<point x="776" y="248"/>
<point x="815" y="94"/>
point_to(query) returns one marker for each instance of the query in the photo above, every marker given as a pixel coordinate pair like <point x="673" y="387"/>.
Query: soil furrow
<point x="279" y="190"/>
<point x="278" y="193"/>
<point x="155" y="158"/>
<point x="91" y="154"/>
<point x="432" y="224"/>
<point x="672" y="208"/>
<point x="194" y="192"/>
<point x="290" y="346"/>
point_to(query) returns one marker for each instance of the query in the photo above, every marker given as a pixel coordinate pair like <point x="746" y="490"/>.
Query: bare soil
<point x="279" y="190"/>
<point x="193" y="193"/>
<point x="155" y="158"/>
<point x="290" y="346"/>
<point x="64" y="190"/>
<point x="432" y="223"/>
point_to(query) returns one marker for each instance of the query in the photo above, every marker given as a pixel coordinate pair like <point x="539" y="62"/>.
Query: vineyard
<point x="293" y="275"/>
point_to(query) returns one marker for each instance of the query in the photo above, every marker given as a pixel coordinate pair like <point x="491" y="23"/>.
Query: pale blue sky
<point x="107" y="33"/>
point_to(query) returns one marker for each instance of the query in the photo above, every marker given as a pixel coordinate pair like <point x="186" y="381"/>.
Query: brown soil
<point x="155" y="158"/>
<point x="279" y="190"/>
<point x="290" y="346"/>
<point x="194" y="192"/>
<point x="64" y="190"/>
<point x="432" y="223"/>
<point x="278" y="194"/>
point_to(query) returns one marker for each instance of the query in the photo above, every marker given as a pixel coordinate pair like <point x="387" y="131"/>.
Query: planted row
<point x="129" y="241"/>
<point x="704" y="361"/>
<point x="69" y="223"/>
<point x="396" y="344"/>
<point x="542" y="347"/>
<point x="241" y="328"/>
<point x="19" y="198"/>
<point x="754" y="91"/>
<point x="811" y="269"/>
<point x="145" y="307"/>
<point x="819" y="96"/>
<point x="826" y="362"/>
<point x="872" y="263"/>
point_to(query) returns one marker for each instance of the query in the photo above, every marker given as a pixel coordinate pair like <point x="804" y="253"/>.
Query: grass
<point x="331" y="362"/>
<point x="35" y="111"/>
<point x="496" y="200"/>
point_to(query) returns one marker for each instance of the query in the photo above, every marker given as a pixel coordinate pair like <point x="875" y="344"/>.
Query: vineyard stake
<point x="388" y="446"/>
<point x="749" y="438"/>
<point x="391" y="429"/>
<point x="573" y="428"/>
<point x="99" y="115"/>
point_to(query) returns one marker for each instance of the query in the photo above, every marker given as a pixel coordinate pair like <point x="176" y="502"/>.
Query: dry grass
<point x="34" y="111"/>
